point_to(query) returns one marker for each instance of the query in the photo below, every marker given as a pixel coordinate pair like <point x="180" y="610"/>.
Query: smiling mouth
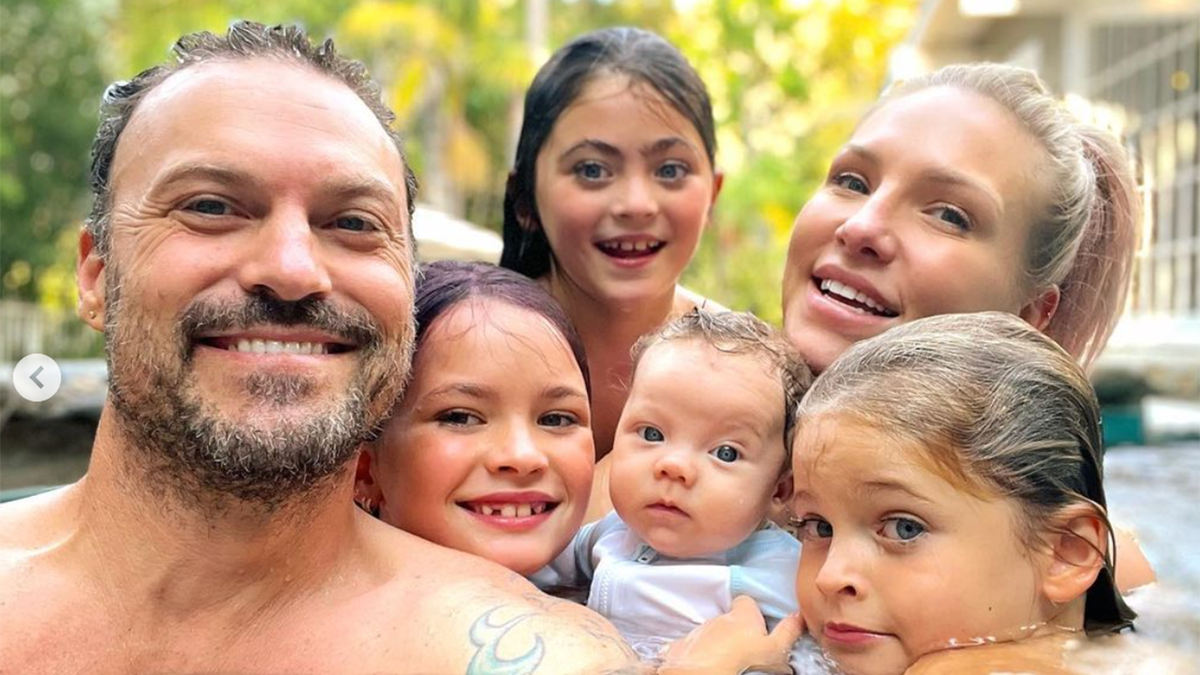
<point x="630" y="249"/>
<point x="509" y="509"/>
<point x="853" y="298"/>
<point x="255" y="346"/>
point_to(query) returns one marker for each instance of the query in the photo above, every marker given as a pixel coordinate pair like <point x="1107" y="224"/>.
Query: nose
<point x="286" y="260"/>
<point x="675" y="465"/>
<point x="516" y="453"/>
<point x="867" y="233"/>
<point x="841" y="571"/>
<point x="637" y="201"/>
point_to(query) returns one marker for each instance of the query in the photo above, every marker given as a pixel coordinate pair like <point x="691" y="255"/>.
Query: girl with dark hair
<point x="611" y="189"/>
<point x="949" y="494"/>
<point x="490" y="450"/>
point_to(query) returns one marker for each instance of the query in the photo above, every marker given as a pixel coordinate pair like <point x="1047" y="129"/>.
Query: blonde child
<point x="700" y="456"/>
<point x="949" y="494"/>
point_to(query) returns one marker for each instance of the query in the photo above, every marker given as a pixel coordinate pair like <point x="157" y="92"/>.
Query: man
<point x="249" y="258"/>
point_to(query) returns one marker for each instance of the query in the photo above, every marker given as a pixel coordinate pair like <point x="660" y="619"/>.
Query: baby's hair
<point x="640" y="55"/>
<point x="1084" y="240"/>
<point x="741" y="333"/>
<point x="997" y="407"/>
<point x="444" y="284"/>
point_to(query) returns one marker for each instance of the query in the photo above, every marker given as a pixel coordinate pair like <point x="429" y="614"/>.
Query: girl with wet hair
<point x="949" y="494"/>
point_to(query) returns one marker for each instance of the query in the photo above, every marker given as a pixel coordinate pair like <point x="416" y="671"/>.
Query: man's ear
<point x="1041" y="309"/>
<point x="89" y="278"/>
<point x="1077" y="541"/>
<point x="367" y="492"/>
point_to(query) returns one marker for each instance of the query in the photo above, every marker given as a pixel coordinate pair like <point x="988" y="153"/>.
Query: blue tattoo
<point x="487" y="636"/>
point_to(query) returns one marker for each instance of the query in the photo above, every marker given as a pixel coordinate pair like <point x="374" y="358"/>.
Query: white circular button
<point x="36" y="377"/>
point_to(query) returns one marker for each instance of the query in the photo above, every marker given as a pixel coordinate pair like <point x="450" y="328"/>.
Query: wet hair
<point x="444" y="284"/>
<point x="740" y="333"/>
<point x="1084" y="239"/>
<point x="244" y="41"/>
<point x="997" y="408"/>
<point x="640" y="55"/>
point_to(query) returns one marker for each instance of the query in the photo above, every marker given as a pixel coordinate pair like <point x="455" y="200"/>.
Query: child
<point x="611" y="188"/>
<point x="489" y="451"/>
<point x="700" y="455"/>
<point x="948" y="489"/>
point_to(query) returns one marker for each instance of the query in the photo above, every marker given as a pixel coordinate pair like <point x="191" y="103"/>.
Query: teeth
<point x="277" y="347"/>
<point x="522" y="510"/>
<point x="640" y="246"/>
<point x="850" y="293"/>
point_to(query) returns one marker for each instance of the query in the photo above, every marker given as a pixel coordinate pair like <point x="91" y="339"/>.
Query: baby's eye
<point x="557" y="419"/>
<point x="814" y="528"/>
<point x="651" y="434"/>
<point x="852" y="182"/>
<point x="459" y="418"/>
<point x="902" y="529"/>
<point x="209" y="207"/>
<point x="725" y="453"/>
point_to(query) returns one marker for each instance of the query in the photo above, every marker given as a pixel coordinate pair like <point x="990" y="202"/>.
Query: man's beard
<point x="188" y="447"/>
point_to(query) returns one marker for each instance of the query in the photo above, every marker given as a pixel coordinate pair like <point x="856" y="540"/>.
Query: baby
<point x="699" y="459"/>
<point x="949" y="490"/>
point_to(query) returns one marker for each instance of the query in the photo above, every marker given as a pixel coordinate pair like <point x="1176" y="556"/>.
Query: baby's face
<point x="698" y="452"/>
<point x="897" y="561"/>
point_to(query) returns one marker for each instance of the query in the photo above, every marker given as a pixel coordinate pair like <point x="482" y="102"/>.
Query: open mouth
<point x="509" y="509"/>
<point x="625" y="248"/>
<point x="854" y="298"/>
<point x="256" y="346"/>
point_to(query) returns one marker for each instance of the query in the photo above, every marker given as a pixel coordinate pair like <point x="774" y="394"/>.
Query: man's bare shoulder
<point x="482" y="618"/>
<point x="27" y="523"/>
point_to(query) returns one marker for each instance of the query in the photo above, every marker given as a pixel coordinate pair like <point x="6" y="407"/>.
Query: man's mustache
<point x="354" y="326"/>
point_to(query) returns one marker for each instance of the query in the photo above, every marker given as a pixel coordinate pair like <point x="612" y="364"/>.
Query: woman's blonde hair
<point x="998" y="409"/>
<point x="1085" y="238"/>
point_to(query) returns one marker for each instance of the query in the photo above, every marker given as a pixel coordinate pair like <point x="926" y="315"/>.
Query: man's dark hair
<point x="244" y="40"/>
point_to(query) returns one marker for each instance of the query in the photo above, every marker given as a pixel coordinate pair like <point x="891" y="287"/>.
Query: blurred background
<point x="788" y="79"/>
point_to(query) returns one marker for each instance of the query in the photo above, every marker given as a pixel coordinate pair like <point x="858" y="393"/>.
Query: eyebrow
<point x="562" y="392"/>
<point x="217" y="174"/>
<point x="936" y="175"/>
<point x="345" y="187"/>
<point x="876" y="486"/>
<point x="464" y="388"/>
<point x="610" y="150"/>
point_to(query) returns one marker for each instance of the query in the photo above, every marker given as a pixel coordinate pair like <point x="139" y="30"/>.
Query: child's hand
<point x="733" y="643"/>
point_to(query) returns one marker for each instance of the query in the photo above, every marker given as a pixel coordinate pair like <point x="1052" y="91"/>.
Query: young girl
<point x="949" y="494"/>
<point x="701" y="454"/>
<point x="611" y="189"/>
<point x="489" y="451"/>
<point x="967" y="190"/>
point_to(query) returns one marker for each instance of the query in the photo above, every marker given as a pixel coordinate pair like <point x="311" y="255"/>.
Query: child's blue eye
<point x="651" y="435"/>
<point x="725" y="453"/>
<point x="814" y="528"/>
<point x="902" y="529"/>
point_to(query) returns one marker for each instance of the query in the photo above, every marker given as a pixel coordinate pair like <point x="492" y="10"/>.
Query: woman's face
<point x="897" y="561"/>
<point x="624" y="189"/>
<point x="925" y="211"/>
<point x="490" y="451"/>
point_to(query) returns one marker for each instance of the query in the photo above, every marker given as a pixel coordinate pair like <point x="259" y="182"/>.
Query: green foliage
<point x="788" y="80"/>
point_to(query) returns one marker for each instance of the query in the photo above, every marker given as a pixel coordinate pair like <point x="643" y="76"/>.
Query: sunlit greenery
<point x="788" y="78"/>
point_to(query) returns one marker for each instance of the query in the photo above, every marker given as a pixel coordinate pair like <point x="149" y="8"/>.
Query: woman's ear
<point x="1041" y="309"/>
<point x="718" y="181"/>
<point x="89" y="278"/>
<point x="367" y="492"/>
<point x="1078" y="541"/>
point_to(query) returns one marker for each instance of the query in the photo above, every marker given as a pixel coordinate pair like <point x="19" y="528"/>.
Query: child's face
<point x="925" y="211"/>
<point x="897" y="562"/>
<point x="490" y="450"/>
<point x="698" y="452"/>
<point x="623" y="191"/>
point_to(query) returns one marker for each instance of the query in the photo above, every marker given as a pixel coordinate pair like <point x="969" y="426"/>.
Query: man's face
<point x="258" y="291"/>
